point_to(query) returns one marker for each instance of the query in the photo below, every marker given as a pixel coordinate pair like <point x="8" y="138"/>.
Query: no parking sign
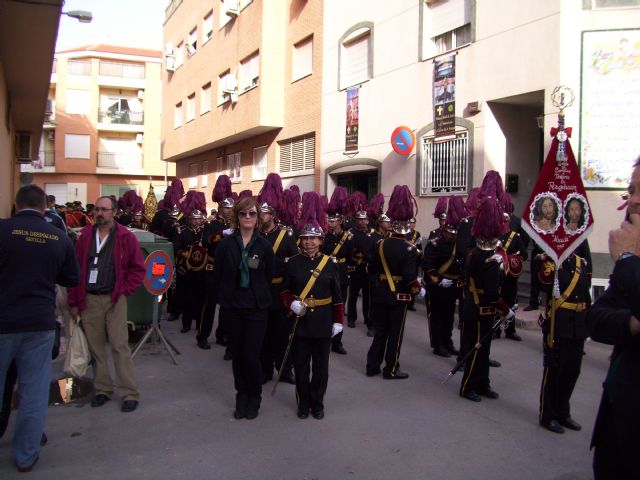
<point x="158" y="272"/>
<point x="403" y="140"/>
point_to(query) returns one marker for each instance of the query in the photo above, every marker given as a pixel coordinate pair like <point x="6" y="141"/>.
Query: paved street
<point x="373" y="429"/>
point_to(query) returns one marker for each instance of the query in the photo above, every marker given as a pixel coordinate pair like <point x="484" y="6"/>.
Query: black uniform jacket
<point x="401" y="258"/>
<point x="318" y="321"/>
<point x="286" y="249"/>
<point x="608" y="320"/>
<point x="437" y="252"/>
<point x="361" y="251"/>
<point x="571" y="316"/>
<point x="343" y="254"/>
<point x="226" y="274"/>
<point x="485" y="275"/>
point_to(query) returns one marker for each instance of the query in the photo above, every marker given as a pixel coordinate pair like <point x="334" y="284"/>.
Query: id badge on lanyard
<point x="93" y="271"/>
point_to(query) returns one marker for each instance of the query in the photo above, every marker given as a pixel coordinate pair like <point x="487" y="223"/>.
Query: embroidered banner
<point x="351" y="133"/>
<point x="444" y="96"/>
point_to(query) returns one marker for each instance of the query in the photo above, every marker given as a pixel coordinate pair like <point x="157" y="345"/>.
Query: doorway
<point x="365" y="182"/>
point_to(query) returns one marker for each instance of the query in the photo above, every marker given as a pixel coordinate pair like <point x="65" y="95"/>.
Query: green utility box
<point x="140" y="305"/>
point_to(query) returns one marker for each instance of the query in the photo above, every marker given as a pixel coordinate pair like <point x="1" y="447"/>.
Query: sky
<point x="133" y="23"/>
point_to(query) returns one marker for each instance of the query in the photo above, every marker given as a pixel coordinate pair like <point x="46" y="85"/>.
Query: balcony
<point x="46" y="163"/>
<point x="117" y="162"/>
<point x="120" y="120"/>
<point x="120" y="74"/>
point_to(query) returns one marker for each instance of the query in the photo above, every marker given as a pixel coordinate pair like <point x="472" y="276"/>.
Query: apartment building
<point x="492" y="65"/>
<point x="241" y="91"/>
<point x="27" y="31"/>
<point x="101" y="130"/>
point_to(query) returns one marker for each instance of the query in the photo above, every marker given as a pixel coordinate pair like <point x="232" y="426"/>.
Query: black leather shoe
<point x="529" y="308"/>
<point x="411" y="308"/>
<point x="514" y="336"/>
<point x="238" y="414"/>
<point x="351" y="323"/>
<point x="497" y="334"/>
<point x="398" y="375"/>
<point x="99" y="400"/>
<point x="495" y="364"/>
<point x="129" y="405"/>
<point x="452" y="350"/>
<point x="489" y="393"/>
<point x="221" y="341"/>
<point x="227" y="355"/>
<point x="43" y="439"/>
<point x="553" y="426"/>
<point x="302" y="414"/>
<point x="570" y="423"/>
<point x="339" y="349"/>
<point x="252" y="413"/>
<point x="373" y="373"/>
<point x="184" y="330"/>
<point x="317" y="414"/>
<point x="171" y="318"/>
<point x="441" y="352"/>
<point x="473" y="396"/>
<point x="203" y="344"/>
<point x="288" y="377"/>
<point x="266" y="378"/>
<point x="371" y="332"/>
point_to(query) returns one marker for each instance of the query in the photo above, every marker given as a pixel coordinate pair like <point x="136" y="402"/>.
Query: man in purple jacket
<point x="111" y="268"/>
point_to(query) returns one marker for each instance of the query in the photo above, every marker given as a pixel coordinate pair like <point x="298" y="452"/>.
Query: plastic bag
<point x="77" y="358"/>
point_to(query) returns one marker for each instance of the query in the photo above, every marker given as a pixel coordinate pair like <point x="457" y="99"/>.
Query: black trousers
<point x="608" y="462"/>
<point x="476" y="369"/>
<point x="561" y="372"/>
<point x="311" y="366"/>
<point x="388" y="322"/>
<point x="274" y="345"/>
<point x="509" y="293"/>
<point x="247" y="329"/>
<point x="441" y="307"/>
<point x="192" y="291"/>
<point x="336" y="340"/>
<point x="174" y="305"/>
<point x="534" y="295"/>
<point x="359" y="282"/>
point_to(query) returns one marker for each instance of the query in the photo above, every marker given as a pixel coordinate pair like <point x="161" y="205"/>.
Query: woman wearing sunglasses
<point x="243" y="270"/>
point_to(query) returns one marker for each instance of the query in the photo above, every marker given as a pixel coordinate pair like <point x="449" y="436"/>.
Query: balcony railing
<point x="120" y="161"/>
<point x="48" y="158"/>
<point x="119" y="69"/>
<point x="123" y="117"/>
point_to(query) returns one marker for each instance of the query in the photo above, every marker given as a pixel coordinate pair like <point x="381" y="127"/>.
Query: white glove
<point x="510" y="315"/>
<point x="297" y="307"/>
<point x="227" y="231"/>
<point x="336" y="329"/>
<point x="446" y="283"/>
<point x="422" y="293"/>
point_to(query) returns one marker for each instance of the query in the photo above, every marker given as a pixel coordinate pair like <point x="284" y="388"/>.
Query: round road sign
<point x="403" y="140"/>
<point x="158" y="272"/>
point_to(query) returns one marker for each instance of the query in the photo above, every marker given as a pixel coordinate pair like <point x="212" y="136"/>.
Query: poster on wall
<point x="610" y="125"/>
<point x="351" y="132"/>
<point x="444" y="96"/>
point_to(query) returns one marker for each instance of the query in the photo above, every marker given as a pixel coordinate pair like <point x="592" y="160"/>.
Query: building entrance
<point x="365" y="182"/>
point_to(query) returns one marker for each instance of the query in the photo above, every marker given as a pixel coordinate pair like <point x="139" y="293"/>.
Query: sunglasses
<point x="102" y="209"/>
<point x="250" y="213"/>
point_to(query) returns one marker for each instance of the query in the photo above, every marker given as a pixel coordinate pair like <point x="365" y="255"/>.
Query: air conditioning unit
<point x="140" y="94"/>
<point x="231" y="8"/>
<point x="170" y="64"/>
<point x="51" y="135"/>
<point x="23" y="147"/>
<point x="168" y="50"/>
<point x="139" y="138"/>
<point x="230" y="84"/>
<point x="474" y="107"/>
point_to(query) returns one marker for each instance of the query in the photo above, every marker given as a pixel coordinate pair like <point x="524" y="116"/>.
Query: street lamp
<point x="83" y="16"/>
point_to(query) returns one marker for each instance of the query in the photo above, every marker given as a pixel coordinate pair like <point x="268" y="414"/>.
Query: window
<point x="249" y="72"/>
<point x="445" y="26"/>
<point x="207" y="27"/>
<point x="179" y="54"/>
<point x="205" y="99"/>
<point x="77" y="146"/>
<point x="193" y="175"/>
<point x="79" y="67"/>
<point x="227" y="88"/>
<point x="204" y="182"/>
<point x="191" y="107"/>
<point x="234" y="165"/>
<point x="298" y="155"/>
<point x="229" y="9"/>
<point x="302" y="60"/>
<point x="444" y="165"/>
<point x="589" y="4"/>
<point x="356" y="65"/>
<point x="220" y="167"/>
<point x="78" y="101"/>
<point x="118" y="190"/>
<point x="177" y="115"/>
<point x="452" y="39"/>
<point x="192" y="42"/>
<point x="123" y="110"/>
<point x="120" y="69"/>
<point x="259" y="171"/>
